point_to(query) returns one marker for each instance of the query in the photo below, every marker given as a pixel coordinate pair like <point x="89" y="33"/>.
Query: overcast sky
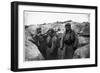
<point x="47" y="17"/>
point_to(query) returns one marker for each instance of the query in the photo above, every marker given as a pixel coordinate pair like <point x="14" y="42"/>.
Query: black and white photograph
<point x="56" y="35"/>
<point x="53" y="36"/>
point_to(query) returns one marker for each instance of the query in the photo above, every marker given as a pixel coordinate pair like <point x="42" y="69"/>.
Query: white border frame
<point x="37" y="64"/>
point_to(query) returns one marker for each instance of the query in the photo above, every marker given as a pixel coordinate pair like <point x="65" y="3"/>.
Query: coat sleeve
<point x="76" y="42"/>
<point x="62" y="42"/>
<point x="54" y="43"/>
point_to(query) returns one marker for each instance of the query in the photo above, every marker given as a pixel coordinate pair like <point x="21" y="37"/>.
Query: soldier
<point x="69" y="42"/>
<point x="40" y="42"/>
<point x="52" y="45"/>
<point x="37" y="36"/>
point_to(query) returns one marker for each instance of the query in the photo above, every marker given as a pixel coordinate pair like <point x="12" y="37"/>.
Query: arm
<point x="62" y="43"/>
<point x="54" y="43"/>
<point x="76" y="42"/>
